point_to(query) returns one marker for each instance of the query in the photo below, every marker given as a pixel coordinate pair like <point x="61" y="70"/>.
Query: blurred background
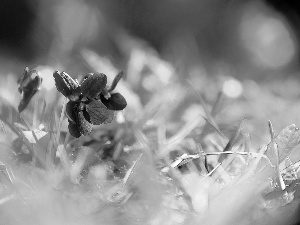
<point x="245" y="49"/>
<point x="233" y="58"/>
<point x="248" y="39"/>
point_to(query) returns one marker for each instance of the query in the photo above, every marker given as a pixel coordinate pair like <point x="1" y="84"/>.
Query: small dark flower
<point x="90" y="103"/>
<point x="28" y="84"/>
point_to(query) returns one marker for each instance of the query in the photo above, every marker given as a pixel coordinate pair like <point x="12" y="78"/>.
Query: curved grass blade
<point x="232" y="141"/>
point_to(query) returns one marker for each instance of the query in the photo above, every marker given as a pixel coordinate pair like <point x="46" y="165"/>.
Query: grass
<point x="179" y="153"/>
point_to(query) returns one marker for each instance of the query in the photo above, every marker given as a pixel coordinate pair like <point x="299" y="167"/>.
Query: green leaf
<point x="97" y="111"/>
<point x="286" y="141"/>
<point x="93" y="85"/>
<point x="115" y="102"/>
<point x="38" y="133"/>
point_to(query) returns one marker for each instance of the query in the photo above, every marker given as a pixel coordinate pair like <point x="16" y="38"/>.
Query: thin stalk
<point x="60" y="120"/>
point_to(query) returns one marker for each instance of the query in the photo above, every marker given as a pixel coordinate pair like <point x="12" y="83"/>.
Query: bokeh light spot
<point x="232" y="88"/>
<point x="267" y="38"/>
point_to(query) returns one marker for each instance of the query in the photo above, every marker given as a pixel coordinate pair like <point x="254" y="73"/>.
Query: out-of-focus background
<point x="248" y="39"/>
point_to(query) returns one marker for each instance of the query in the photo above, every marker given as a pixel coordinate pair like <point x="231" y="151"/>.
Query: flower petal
<point x="26" y="97"/>
<point x="97" y="111"/>
<point x="93" y="85"/>
<point x="115" y="81"/>
<point x="70" y="111"/>
<point x="84" y="126"/>
<point x="29" y="84"/>
<point x="111" y="116"/>
<point x="115" y="102"/>
<point x="64" y="83"/>
<point x="74" y="130"/>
